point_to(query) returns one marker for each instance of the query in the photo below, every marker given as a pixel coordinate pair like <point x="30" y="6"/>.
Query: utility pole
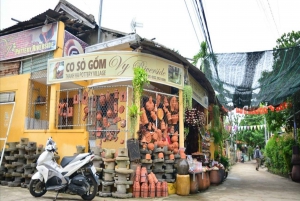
<point x="99" y="20"/>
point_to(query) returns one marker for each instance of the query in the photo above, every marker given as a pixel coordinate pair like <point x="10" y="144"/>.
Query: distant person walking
<point x="257" y="156"/>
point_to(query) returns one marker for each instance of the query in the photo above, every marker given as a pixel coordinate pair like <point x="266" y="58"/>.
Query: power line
<point x="192" y="23"/>
<point x="273" y="18"/>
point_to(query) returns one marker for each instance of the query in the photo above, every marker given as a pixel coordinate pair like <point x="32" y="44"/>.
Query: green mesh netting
<point x="247" y="79"/>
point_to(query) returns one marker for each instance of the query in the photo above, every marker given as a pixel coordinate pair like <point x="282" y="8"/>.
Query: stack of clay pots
<point x="295" y="174"/>
<point x="107" y="179"/>
<point x="122" y="174"/>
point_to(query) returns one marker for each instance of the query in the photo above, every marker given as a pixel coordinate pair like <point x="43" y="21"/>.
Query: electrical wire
<point x="192" y="23"/>
<point x="273" y="18"/>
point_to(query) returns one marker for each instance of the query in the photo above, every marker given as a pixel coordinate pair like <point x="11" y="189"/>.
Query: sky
<point x="234" y="25"/>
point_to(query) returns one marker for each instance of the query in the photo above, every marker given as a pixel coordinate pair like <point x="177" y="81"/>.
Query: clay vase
<point x="148" y="137"/>
<point x="169" y="117"/>
<point x="151" y="147"/>
<point x="182" y="166"/>
<point x="160" y="155"/>
<point x="109" y="113"/>
<point x="172" y="157"/>
<point x="159" y="135"/>
<point x="173" y="101"/>
<point x="137" y="173"/>
<point x="154" y="177"/>
<point x="151" y="186"/>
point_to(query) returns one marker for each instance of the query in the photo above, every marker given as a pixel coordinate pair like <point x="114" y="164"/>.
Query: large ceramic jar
<point x="214" y="177"/>
<point x="183" y="167"/>
<point x="201" y="181"/>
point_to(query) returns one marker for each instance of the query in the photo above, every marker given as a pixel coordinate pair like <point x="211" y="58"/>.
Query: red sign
<point x="73" y="45"/>
<point x="29" y="42"/>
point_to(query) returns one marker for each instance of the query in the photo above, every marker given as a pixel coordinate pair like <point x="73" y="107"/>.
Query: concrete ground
<point x="243" y="183"/>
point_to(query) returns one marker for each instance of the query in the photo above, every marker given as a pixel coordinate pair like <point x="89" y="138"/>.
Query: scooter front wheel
<point x="91" y="193"/>
<point x="37" y="188"/>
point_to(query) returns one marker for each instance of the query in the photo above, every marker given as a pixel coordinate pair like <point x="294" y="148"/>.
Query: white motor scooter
<point x="76" y="174"/>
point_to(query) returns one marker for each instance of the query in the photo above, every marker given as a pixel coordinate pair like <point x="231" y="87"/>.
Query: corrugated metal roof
<point x="32" y="23"/>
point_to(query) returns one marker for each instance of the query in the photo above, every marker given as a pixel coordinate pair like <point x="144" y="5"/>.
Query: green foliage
<point x="187" y="97"/>
<point x="252" y="137"/>
<point x="288" y="40"/>
<point x="275" y="119"/>
<point x="140" y="78"/>
<point x="216" y="116"/>
<point x="279" y="153"/>
<point x="225" y="161"/>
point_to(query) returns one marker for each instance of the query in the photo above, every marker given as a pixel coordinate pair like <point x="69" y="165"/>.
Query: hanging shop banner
<point x="114" y="64"/>
<point x="73" y="45"/>
<point x="29" y="42"/>
<point x="199" y="94"/>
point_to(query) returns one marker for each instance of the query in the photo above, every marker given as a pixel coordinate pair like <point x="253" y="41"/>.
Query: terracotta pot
<point x="99" y="116"/>
<point x="164" y="189"/>
<point x="84" y="98"/>
<point x="116" y="94"/>
<point x="143" y="175"/>
<point x="144" y="190"/>
<point x="194" y="186"/>
<point x="173" y="103"/>
<point x="116" y="107"/>
<point x="105" y="122"/>
<point x="148" y="157"/>
<point x="149" y="104"/>
<point x="171" y="157"/>
<point x="201" y="178"/>
<point x="158" y="189"/>
<point x="175" y="119"/>
<point x="123" y="123"/>
<point x="159" y="135"/>
<point x="136" y="190"/>
<point x="98" y="133"/>
<point x="207" y="179"/>
<point x="153" y="115"/>
<point x="175" y="150"/>
<point x="154" y="136"/>
<point x="170" y="147"/>
<point x="175" y="144"/>
<point x="174" y="138"/>
<point x="109" y="113"/>
<point x="169" y="116"/>
<point x="107" y="96"/>
<point x="76" y="99"/>
<point x="154" y="177"/>
<point x="137" y="173"/>
<point x="122" y="96"/>
<point x="102" y="100"/>
<point x="94" y="101"/>
<point x="151" y="189"/>
<point x="122" y="142"/>
<point x="151" y="146"/>
<point x="160" y="155"/>
<point x="166" y="102"/>
<point x="148" y="137"/>
<point x="160" y="143"/>
<point x="166" y="143"/>
<point x="214" y="177"/>
<point x="158" y="99"/>
<point x="162" y="125"/>
<point x="144" y="118"/>
<point x="121" y="109"/>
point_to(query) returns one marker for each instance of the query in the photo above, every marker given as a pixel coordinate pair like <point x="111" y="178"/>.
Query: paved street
<point x="244" y="183"/>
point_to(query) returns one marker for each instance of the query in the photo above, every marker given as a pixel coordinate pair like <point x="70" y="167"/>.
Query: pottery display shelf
<point x="146" y="158"/>
<point x="122" y="174"/>
<point x="169" y="166"/>
<point x="107" y="178"/>
<point x="9" y="158"/>
<point x="158" y="162"/>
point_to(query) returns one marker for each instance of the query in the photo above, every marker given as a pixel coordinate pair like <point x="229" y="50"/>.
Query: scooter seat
<point x="66" y="160"/>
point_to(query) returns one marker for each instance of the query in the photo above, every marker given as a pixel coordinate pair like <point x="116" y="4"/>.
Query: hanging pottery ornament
<point x="121" y="109"/>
